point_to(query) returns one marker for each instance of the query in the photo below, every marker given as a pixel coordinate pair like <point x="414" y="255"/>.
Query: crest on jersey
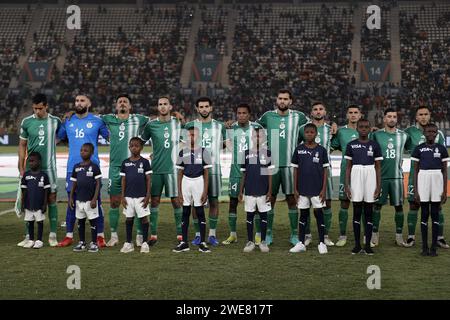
<point x="243" y="139"/>
<point x="89" y="173"/>
<point x="317" y="140"/>
<point x="437" y="154"/>
<point x="89" y="125"/>
<point x="166" y="135"/>
<point x="121" y="128"/>
<point x="205" y="135"/>
<point x="141" y="168"/>
<point x="41" y="182"/>
<point x="370" y="152"/>
<point x="390" y="145"/>
<point x="41" y="130"/>
<point x="316" y="157"/>
<point x="282" y="125"/>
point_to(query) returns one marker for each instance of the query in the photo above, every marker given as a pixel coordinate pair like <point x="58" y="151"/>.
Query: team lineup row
<point x="285" y="128"/>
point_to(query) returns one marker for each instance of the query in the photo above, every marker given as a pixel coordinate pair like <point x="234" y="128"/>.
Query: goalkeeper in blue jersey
<point x="83" y="127"/>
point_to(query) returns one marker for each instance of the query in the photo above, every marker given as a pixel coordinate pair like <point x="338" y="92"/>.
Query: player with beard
<point x="83" y="127"/>
<point x="283" y="127"/>
<point x="392" y="142"/>
<point x="212" y="135"/>
<point x="323" y="138"/>
<point x="416" y="137"/>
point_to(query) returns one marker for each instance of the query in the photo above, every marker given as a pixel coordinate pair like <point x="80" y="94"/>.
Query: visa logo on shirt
<point x="425" y="149"/>
<point x="30" y="178"/>
<point x="357" y="146"/>
<point x="304" y="152"/>
<point x="130" y="164"/>
<point x="79" y="169"/>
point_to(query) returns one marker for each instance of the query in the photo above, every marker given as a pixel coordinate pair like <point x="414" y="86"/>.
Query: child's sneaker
<point x="181" y="247"/>
<point x="29" y="244"/>
<point x="368" y="250"/>
<point x="23" y="242"/>
<point x="81" y="246"/>
<point x="299" y="247"/>
<point x="145" y="248"/>
<point x="203" y="248"/>
<point x="328" y="242"/>
<point x="127" y="247"/>
<point x="357" y="249"/>
<point x="263" y="247"/>
<point x="139" y="240"/>
<point x="322" y="248"/>
<point x="433" y="252"/>
<point x="308" y="239"/>
<point x="38" y="244"/>
<point x="249" y="247"/>
<point x="93" y="247"/>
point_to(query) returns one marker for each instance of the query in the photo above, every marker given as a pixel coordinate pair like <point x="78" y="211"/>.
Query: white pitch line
<point x="6" y="211"/>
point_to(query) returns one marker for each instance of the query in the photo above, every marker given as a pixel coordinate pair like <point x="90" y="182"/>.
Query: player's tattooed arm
<point x="229" y="123"/>
<point x="348" y="170"/>
<point x="334" y="128"/>
<point x="179" y="117"/>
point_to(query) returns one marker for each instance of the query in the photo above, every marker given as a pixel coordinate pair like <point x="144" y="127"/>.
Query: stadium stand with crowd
<point x="308" y="47"/>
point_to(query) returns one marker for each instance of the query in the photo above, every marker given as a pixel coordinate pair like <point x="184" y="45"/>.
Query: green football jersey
<point x="340" y="141"/>
<point x="240" y="137"/>
<point x="165" y="136"/>
<point x="283" y="133"/>
<point x="416" y="137"/>
<point x="212" y="136"/>
<point x="41" y="137"/>
<point x="323" y="136"/>
<point x="392" y="148"/>
<point x="121" y="131"/>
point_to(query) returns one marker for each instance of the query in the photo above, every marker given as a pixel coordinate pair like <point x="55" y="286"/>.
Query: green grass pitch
<point x="226" y="273"/>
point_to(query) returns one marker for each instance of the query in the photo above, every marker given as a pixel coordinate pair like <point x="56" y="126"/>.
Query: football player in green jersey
<point x="123" y="125"/>
<point x="324" y="135"/>
<point x="212" y="134"/>
<point x="392" y="142"/>
<point x="416" y="137"/>
<point x="339" y="142"/>
<point x="164" y="132"/>
<point x="283" y="126"/>
<point x="238" y="141"/>
<point x="38" y="134"/>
